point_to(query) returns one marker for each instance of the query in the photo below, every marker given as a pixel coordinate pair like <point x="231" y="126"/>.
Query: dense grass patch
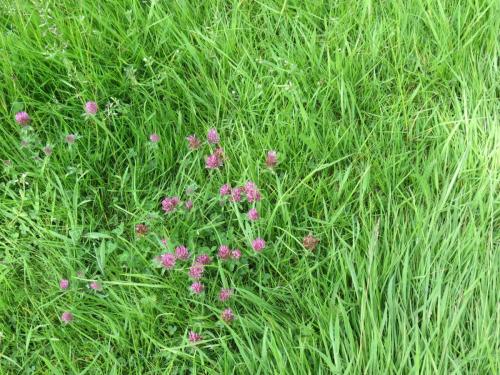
<point x="384" y="116"/>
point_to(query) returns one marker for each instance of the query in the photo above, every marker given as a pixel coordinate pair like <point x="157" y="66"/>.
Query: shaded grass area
<point x="385" y="119"/>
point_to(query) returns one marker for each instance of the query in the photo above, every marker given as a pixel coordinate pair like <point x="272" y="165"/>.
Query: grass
<point x="385" y="119"/>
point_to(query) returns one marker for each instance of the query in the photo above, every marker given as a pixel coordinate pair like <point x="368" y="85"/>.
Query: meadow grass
<point x="385" y="119"/>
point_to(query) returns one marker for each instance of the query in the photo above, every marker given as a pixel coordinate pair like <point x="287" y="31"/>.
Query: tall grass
<point x="385" y="119"/>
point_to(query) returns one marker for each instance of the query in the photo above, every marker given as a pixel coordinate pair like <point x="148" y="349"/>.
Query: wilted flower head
<point x="47" y="150"/>
<point x="203" y="259"/>
<point x="181" y="252"/>
<point x="236" y="254"/>
<point x="219" y="151"/>
<point x="193" y="142"/>
<point x="225" y="190"/>
<point x="271" y="159"/>
<point x="157" y="260"/>
<point x="80" y="273"/>
<point x="196" y="271"/>
<point x="141" y="229"/>
<point x="224" y="252"/>
<point x="252" y="192"/>
<point x="155" y="138"/>
<point x="170" y="203"/>
<point x="213" y="161"/>
<point x="70" y="139"/>
<point x="188" y="205"/>
<point x="310" y="242"/>
<point x="225" y="294"/>
<point x="190" y="189"/>
<point x="94" y="285"/>
<point x="194" y="337"/>
<point x="258" y="244"/>
<point x="91" y="108"/>
<point x="24" y="143"/>
<point x="64" y="284"/>
<point x="67" y="317"/>
<point x="253" y="214"/>
<point x="22" y="118"/>
<point x="213" y="136"/>
<point x="197" y="287"/>
<point x="227" y="315"/>
<point x="168" y="260"/>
